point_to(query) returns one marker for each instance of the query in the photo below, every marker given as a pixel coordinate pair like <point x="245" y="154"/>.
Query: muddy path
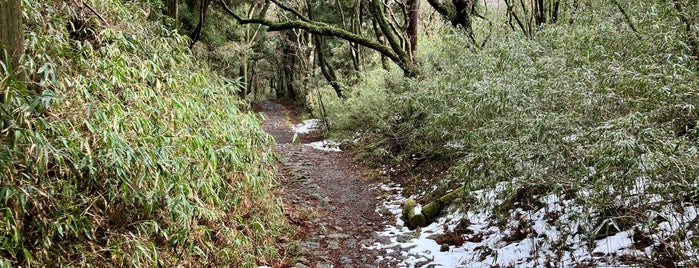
<point x="329" y="198"/>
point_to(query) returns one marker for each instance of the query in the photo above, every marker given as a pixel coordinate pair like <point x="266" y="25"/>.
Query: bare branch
<point x="293" y="11"/>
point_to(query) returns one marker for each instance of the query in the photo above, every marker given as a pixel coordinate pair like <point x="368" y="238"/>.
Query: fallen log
<point x="412" y="214"/>
<point x="416" y="216"/>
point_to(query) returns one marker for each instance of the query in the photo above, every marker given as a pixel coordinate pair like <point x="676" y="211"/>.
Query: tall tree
<point x="11" y="33"/>
<point x="172" y="9"/>
<point x="203" y="8"/>
<point x="394" y="50"/>
<point x="413" y="20"/>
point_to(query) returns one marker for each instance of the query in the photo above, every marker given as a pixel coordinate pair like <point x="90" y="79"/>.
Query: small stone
<point x="444" y="248"/>
<point x="300" y="265"/>
<point x="333" y="245"/>
<point x="337" y="236"/>
<point x="402" y="238"/>
<point x="352" y="243"/>
<point x="310" y="245"/>
<point x="422" y="263"/>
<point x="345" y="260"/>
<point x="324" y="265"/>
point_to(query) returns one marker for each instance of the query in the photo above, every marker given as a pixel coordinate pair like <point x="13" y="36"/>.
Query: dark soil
<point x="328" y="197"/>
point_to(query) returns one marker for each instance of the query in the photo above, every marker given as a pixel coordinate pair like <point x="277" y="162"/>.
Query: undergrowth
<point x="589" y="111"/>
<point x="121" y="150"/>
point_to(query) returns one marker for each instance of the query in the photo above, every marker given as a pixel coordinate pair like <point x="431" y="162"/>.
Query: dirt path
<point x="329" y="198"/>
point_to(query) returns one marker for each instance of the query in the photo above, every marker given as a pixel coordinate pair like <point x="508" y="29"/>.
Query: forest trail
<point x="328" y="197"/>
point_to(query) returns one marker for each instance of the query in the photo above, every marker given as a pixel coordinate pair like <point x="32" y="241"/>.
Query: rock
<point x="422" y="263"/>
<point x="300" y="265"/>
<point x="351" y="243"/>
<point x="310" y="245"/>
<point x="337" y="236"/>
<point x="444" y="248"/>
<point x="324" y="265"/>
<point x="333" y="245"/>
<point x="345" y="260"/>
<point x="402" y="238"/>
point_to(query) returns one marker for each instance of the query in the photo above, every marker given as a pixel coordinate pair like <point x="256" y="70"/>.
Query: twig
<point x="96" y="13"/>
<point x="626" y="16"/>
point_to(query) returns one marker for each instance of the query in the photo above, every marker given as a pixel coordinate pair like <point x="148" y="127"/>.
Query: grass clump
<point x="122" y="150"/>
<point x="590" y="112"/>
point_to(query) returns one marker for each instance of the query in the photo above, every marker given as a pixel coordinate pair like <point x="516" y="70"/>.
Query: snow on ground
<point x="312" y="125"/>
<point x="325" y="145"/>
<point x="550" y="235"/>
<point x="307" y="126"/>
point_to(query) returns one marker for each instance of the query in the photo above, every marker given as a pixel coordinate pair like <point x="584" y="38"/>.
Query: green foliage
<point x="583" y="110"/>
<point x="122" y="151"/>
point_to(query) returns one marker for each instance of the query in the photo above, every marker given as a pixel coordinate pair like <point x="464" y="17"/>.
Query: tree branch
<point x="293" y="11"/>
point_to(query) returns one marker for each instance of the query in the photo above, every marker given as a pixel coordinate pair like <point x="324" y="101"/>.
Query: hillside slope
<point x="124" y="151"/>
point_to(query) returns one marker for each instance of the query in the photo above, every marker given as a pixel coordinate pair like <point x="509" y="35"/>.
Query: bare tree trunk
<point x="356" y="28"/>
<point x="196" y="34"/>
<point x="413" y="20"/>
<point x="325" y="68"/>
<point x="172" y="10"/>
<point x="12" y="35"/>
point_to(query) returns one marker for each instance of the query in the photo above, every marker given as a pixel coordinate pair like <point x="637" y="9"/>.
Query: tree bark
<point x="413" y="20"/>
<point x="196" y="34"/>
<point x="325" y="68"/>
<point x="12" y="35"/>
<point x="172" y="10"/>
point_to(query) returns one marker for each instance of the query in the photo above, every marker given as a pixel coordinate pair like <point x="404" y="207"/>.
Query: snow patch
<point x="553" y="234"/>
<point x="307" y="126"/>
<point x="326" y="145"/>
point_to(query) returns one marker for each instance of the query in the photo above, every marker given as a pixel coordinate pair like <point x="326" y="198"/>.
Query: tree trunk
<point x="356" y="28"/>
<point x="413" y="18"/>
<point x="288" y="66"/>
<point x="325" y="68"/>
<point x="172" y="10"/>
<point x="12" y="35"/>
<point x="382" y="40"/>
<point x="196" y="34"/>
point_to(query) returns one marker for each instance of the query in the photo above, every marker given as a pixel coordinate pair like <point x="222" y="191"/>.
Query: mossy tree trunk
<point x="421" y="217"/>
<point x="12" y="35"/>
<point x="393" y="51"/>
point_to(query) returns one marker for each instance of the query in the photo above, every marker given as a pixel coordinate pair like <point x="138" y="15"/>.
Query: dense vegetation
<point x="122" y="150"/>
<point x="598" y="114"/>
